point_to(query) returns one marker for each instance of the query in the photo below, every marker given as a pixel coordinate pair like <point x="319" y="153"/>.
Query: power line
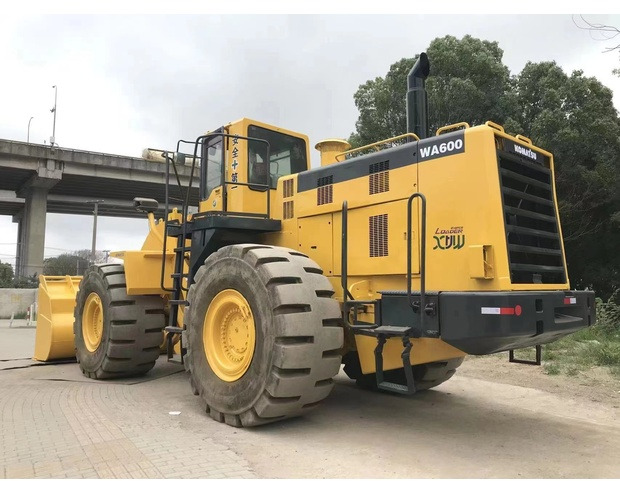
<point x="46" y="247"/>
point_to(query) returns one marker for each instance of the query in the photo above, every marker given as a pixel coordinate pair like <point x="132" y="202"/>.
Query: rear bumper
<point x="488" y="322"/>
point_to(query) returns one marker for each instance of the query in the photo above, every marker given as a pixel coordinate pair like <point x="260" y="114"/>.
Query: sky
<point x="127" y="82"/>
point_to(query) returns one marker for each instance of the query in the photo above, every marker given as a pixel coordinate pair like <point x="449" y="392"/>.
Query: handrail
<point x="375" y="144"/>
<point x="164" y="246"/>
<point x="344" y="254"/>
<point x="493" y="125"/>
<point x="445" y="128"/>
<point x="422" y="305"/>
<point x="525" y="139"/>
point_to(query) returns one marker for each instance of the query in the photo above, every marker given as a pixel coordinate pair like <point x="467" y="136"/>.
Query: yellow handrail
<point x="525" y="139"/>
<point x="493" y="125"/>
<point x="443" y="129"/>
<point x="376" y="144"/>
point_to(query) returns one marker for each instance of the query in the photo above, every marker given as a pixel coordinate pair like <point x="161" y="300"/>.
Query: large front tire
<point x="116" y="335"/>
<point x="292" y="327"/>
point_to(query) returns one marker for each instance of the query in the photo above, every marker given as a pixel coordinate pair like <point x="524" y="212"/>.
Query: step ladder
<point x="384" y="332"/>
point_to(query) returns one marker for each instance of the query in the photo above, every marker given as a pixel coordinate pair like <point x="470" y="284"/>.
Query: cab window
<point x="287" y="155"/>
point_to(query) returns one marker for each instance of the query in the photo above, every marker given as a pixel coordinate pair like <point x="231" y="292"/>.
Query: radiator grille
<point x="324" y="193"/>
<point x="378" y="234"/>
<point x="288" y="210"/>
<point x="532" y="234"/>
<point x="287" y="188"/>
<point x="379" y="178"/>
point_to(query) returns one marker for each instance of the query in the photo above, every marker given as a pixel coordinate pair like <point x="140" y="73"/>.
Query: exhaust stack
<point x="417" y="103"/>
<point x="330" y="148"/>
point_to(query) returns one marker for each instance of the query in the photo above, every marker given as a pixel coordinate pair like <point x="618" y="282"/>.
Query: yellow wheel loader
<point x="397" y="260"/>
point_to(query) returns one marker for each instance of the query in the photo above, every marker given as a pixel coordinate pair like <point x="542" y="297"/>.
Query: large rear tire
<point x="116" y="335"/>
<point x="277" y="351"/>
<point x="425" y="376"/>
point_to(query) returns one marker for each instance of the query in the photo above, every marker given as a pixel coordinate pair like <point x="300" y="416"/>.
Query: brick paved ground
<point x="75" y="428"/>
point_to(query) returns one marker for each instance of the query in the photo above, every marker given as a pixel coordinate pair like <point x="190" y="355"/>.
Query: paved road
<point x="56" y="423"/>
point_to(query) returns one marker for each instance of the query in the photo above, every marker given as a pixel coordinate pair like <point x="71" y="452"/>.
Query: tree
<point x="574" y="117"/>
<point x="468" y="83"/>
<point x="72" y="264"/>
<point x="65" y="264"/>
<point x="6" y="274"/>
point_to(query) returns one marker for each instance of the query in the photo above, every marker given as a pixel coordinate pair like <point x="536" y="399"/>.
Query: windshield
<point x="287" y="155"/>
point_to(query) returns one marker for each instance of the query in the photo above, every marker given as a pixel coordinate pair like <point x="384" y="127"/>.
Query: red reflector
<point x="570" y="300"/>
<point x="506" y="310"/>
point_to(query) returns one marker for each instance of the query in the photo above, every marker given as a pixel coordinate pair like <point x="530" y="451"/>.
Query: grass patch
<point x="578" y="352"/>
<point x="608" y="354"/>
<point x="598" y="345"/>
<point x="552" y="369"/>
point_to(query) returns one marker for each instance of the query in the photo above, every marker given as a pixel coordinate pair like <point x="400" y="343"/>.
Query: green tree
<point x="6" y="274"/>
<point x="72" y="264"/>
<point x="65" y="264"/>
<point x="574" y="118"/>
<point x="468" y="83"/>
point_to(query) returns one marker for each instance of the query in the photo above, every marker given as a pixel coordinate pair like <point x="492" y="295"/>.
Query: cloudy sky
<point x="130" y="82"/>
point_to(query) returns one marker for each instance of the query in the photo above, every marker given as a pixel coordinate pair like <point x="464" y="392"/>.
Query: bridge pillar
<point x="31" y="233"/>
<point x="31" y="220"/>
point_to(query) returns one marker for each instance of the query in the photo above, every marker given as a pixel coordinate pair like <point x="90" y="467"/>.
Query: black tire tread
<point x="298" y="376"/>
<point x="135" y="327"/>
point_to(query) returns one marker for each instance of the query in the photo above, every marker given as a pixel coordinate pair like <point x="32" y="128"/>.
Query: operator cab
<point x="242" y="164"/>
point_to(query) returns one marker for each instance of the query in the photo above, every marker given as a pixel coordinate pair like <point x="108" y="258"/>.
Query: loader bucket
<point x="54" y="336"/>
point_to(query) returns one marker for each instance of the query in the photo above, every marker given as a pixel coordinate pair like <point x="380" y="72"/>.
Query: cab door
<point x="212" y="173"/>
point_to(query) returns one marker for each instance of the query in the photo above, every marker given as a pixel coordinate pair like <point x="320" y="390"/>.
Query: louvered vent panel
<point x="379" y="178"/>
<point x="325" y="193"/>
<point x="378" y="234"/>
<point x="287" y="209"/>
<point x="288" y="188"/>
<point x="532" y="233"/>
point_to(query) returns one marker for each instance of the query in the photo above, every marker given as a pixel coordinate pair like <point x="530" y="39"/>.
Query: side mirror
<point x="143" y="204"/>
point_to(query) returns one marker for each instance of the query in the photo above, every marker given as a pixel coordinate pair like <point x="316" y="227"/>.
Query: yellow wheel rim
<point x="92" y="322"/>
<point x="229" y="335"/>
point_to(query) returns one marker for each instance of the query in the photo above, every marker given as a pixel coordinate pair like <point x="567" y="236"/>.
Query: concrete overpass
<point x="36" y="179"/>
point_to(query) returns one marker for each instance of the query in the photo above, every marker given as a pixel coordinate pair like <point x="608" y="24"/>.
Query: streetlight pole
<point x="53" y="138"/>
<point x="95" y="211"/>
<point x="28" y="138"/>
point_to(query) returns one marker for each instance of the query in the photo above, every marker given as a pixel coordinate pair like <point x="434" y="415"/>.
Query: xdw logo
<point x="452" y="238"/>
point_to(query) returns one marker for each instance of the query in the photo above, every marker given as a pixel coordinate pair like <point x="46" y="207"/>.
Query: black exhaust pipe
<point x="417" y="103"/>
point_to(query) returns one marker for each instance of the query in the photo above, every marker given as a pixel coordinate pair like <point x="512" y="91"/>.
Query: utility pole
<point x="53" y="137"/>
<point x="28" y="138"/>
<point x="95" y="211"/>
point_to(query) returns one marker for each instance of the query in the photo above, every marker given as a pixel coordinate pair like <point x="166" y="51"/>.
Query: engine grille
<point x="378" y="235"/>
<point x="379" y="177"/>
<point x="287" y="188"/>
<point x="532" y="234"/>
<point x="288" y="209"/>
<point x="325" y="190"/>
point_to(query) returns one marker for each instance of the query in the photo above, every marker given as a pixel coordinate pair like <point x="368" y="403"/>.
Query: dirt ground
<point x="595" y="385"/>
